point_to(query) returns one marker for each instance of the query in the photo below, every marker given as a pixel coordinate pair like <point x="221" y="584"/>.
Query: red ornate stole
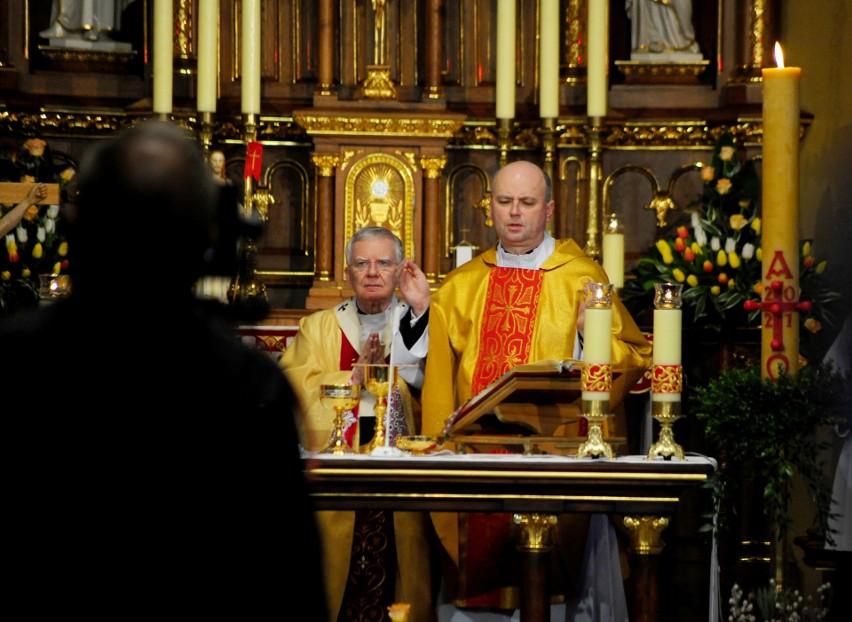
<point x="508" y="320"/>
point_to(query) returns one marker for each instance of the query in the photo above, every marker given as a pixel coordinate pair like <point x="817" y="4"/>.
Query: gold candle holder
<point x="666" y="371"/>
<point x="596" y="377"/>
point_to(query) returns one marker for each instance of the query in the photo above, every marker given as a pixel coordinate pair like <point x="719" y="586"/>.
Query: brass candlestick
<point x="592" y="247"/>
<point x="596" y="377"/>
<point x="667" y="372"/>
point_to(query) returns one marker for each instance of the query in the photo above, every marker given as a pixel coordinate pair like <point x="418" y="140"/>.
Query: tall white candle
<point x="666" y="357"/>
<point x="505" y="79"/>
<point x="250" y="50"/>
<point x="163" y="56"/>
<point x="597" y="38"/>
<point x="597" y="336"/>
<point x="208" y="54"/>
<point x="549" y="60"/>
<point x="613" y="252"/>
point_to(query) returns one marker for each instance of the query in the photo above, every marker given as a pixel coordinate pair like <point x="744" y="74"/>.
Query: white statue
<point x="85" y="24"/>
<point x="661" y="30"/>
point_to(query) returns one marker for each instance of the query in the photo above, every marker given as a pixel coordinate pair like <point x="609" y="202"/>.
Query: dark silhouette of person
<point x="153" y="460"/>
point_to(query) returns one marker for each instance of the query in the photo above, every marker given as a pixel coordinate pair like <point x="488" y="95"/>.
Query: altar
<point x="534" y="488"/>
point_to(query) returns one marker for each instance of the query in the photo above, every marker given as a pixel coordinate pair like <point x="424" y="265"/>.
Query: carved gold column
<point x="325" y="164"/>
<point x="756" y="38"/>
<point x="535" y="541"/>
<point x="434" y="49"/>
<point x="646" y="544"/>
<point x="575" y="47"/>
<point x="431" y="260"/>
<point x="325" y="65"/>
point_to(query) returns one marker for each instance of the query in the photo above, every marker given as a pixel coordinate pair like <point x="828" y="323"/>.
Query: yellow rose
<point x="733" y="260"/>
<point x="813" y="325"/>
<point x="714" y="291"/>
<point x="707" y="173"/>
<point x="63" y="249"/>
<point x="755" y="224"/>
<point x="38" y="251"/>
<point x="678" y="275"/>
<point x="721" y="258"/>
<point x="5" y="275"/>
<point x="738" y="221"/>
<point x="692" y="280"/>
<point x="723" y="186"/>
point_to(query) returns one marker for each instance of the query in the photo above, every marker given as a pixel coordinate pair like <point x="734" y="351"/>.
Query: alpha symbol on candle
<point x="779" y="266"/>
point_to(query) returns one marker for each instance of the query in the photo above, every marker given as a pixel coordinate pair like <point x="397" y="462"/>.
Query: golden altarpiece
<point x="383" y="111"/>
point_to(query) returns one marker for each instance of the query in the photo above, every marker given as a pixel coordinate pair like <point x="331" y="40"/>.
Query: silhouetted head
<point x="145" y="213"/>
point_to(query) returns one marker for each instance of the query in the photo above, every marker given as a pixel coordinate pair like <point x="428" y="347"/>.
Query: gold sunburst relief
<point x="380" y="192"/>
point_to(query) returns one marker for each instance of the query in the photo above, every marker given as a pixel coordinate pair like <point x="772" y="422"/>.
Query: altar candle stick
<point x="597" y="338"/>
<point x="597" y="36"/>
<point x="613" y="252"/>
<point x="667" y="343"/>
<point x="505" y="79"/>
<point x="163" y="57"/>
<point x="208" y="53"/>
<point x="549" y="60"/>
<point x="780" y="200"/>
<point x="250" y="50"/>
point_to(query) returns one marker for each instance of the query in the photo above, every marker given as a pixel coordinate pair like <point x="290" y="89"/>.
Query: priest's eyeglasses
<point x="382" y="265"/>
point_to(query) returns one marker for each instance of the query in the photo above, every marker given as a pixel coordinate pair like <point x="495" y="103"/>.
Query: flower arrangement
<point x="714" y="251"/>
<point x="38" y="244"/>
<point x="769" y="604"/>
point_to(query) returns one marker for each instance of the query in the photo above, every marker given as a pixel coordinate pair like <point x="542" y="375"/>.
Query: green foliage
<point x="767" y="431"/>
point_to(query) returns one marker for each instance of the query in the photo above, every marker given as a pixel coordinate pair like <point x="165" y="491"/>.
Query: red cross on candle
<point x="777" y="309"/>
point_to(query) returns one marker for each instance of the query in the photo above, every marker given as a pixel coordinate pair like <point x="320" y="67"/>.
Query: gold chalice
<point x="340" y="398"/>
<point x="377" y="381"/>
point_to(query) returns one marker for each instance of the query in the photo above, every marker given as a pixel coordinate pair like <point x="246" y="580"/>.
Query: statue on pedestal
<point x="86" y="24"/>
<point x="662" y="31"/>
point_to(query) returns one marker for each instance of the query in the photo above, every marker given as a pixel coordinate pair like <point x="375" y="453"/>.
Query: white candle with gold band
<point x="597" y="39"/>
<point x="597" y="342"/>
<point x="505" y="78"/>
<point x="163" y="57"/>
<point x="250" y="50"/>
<point x="548" y="100"/>
<point x="666" y="383"/>
<point x="780" y="200"/>
<point x="613" y="251"/>
<point x="208" y="54"/>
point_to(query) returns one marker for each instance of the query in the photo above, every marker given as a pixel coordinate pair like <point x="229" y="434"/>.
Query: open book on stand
<point x="532" y="398"/>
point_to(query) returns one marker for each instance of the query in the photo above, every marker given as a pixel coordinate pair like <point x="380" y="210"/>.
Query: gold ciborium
<point x="340" y="398"/>
<point x="377" y="380"/>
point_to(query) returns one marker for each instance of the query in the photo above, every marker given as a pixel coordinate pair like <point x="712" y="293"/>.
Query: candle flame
<point x="779" y="56"/>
